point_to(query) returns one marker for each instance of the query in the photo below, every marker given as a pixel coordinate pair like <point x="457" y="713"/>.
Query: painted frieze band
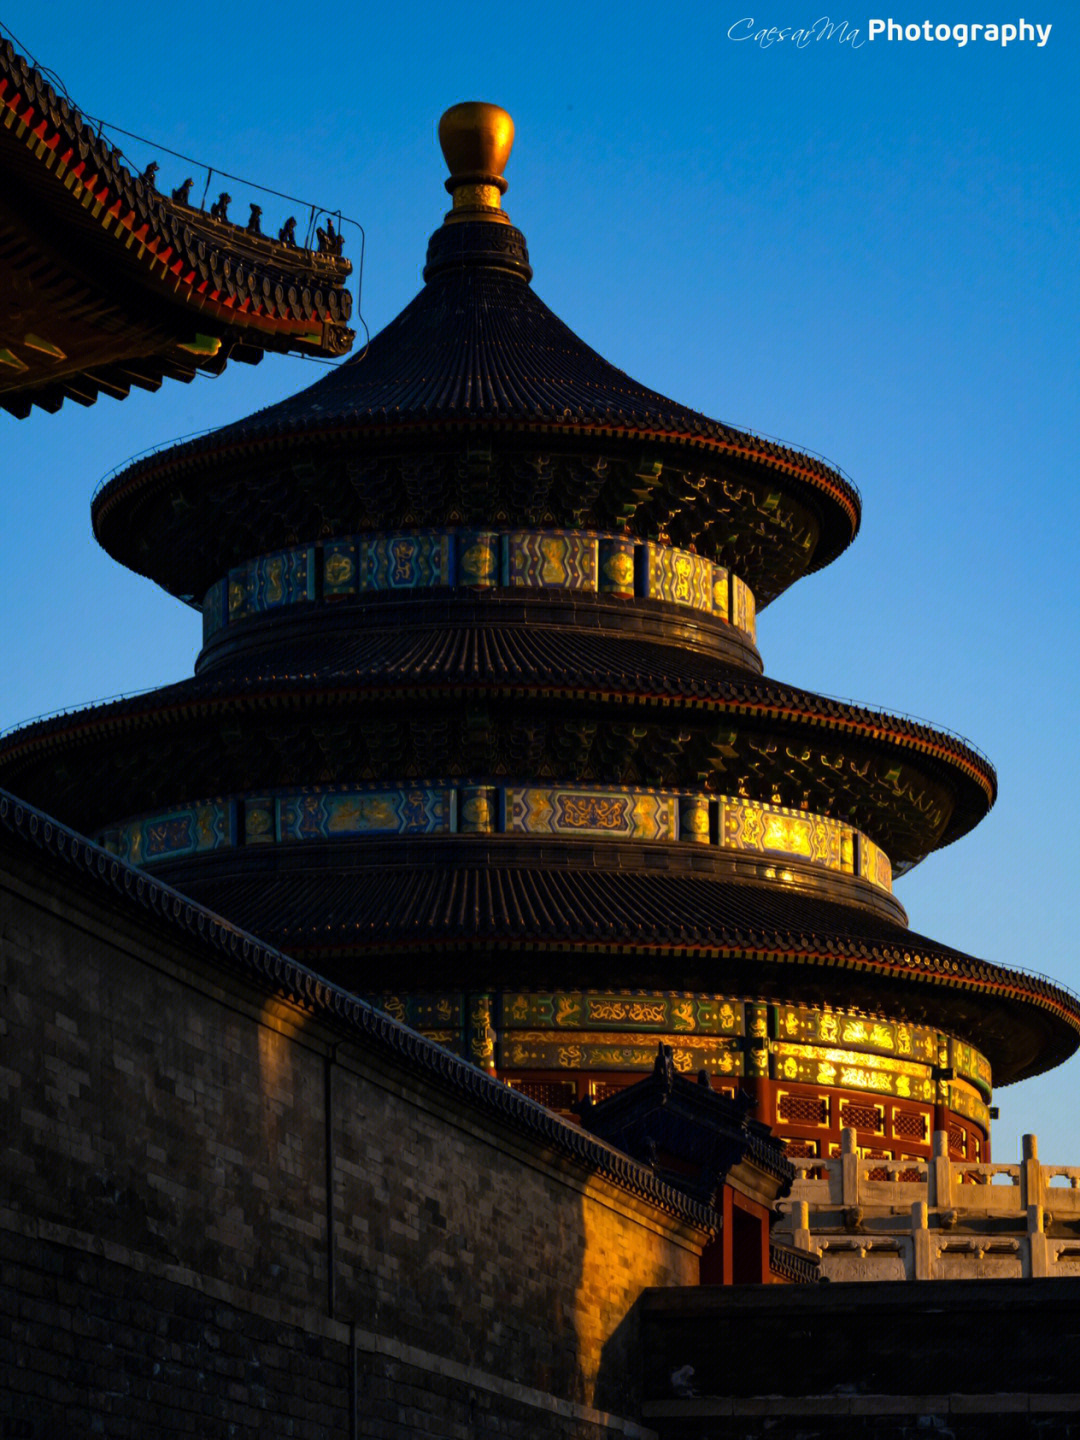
<point x="346" y="813"/>
<point x="614" y="565"/>
<point x="800" y="1024"/>
<point x="462" y="1023"/>
<point x="774" y="830"/>
<point x="285" y="577"/>
<point x="969" y="1065"/>
<point x="852" y="1070"/>
<point x="599" y="814"/>
<point x="874" y="864"/>
<point x="188" y="830"/>
<point x="534" y="1031"/>
<point x="600" y="1010"/>
<point x="527" y="1050"/>
<point x="572" y="811"/>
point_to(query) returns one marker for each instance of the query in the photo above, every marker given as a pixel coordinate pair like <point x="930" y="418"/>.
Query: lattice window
<point x="909" y="1125"/>
<point x="863" y="1117"/>
<point x="801" y="1149"/>
<point x="555" y="1094"/>
<point x="803" y="1109"/>
<point x="601" y="1089"/>
<point x="958" y="1141"/>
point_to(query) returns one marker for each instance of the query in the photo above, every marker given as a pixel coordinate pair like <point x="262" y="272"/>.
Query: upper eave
<point x="173" y="291"/>
<point x="196" y="455"/>
<point x="478" y="353"/>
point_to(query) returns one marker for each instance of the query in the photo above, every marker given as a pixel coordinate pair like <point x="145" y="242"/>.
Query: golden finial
<point x="476" y="139"/>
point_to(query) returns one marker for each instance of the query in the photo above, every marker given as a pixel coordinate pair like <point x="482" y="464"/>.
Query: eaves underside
<point x="123" y="716"/>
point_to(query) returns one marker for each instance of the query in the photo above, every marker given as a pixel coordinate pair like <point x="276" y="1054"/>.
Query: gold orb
<point x="476" y="139"/>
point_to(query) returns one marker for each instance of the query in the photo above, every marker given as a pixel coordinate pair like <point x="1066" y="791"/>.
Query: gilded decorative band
<point x="567" y="560"/>
<point x="725" y="1035"/>
<point x="571" y="811"/>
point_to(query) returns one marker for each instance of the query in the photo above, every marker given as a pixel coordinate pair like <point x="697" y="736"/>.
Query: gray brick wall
<point x="163" y="1206"/>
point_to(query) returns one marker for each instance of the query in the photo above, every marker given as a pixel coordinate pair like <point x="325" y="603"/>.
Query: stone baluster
<point x="850" y="1162"/>
<point x="1038" y="1250"/>
<point x="1031" y="1176"/>
<point x="801" y="1238"/>
<point x="941" y="1172"/>
<point x="922" y="1255"/>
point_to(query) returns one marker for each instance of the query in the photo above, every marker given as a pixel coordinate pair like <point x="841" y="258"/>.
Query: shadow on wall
<point x="619" y="1377"/>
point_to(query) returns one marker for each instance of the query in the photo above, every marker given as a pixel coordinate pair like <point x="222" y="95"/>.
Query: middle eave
<point x="492" y="670"/>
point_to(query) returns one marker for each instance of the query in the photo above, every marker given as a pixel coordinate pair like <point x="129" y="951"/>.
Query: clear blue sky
<point x="867" y="250"/>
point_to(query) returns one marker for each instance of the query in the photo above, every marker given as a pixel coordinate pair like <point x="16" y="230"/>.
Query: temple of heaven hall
<point x="480" y="730"/>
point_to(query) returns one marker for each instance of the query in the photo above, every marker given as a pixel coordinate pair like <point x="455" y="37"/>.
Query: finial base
<point x="475" y="241"/>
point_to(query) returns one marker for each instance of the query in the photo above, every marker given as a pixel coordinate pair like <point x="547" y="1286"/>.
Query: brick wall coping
<point x="262" y="964"/>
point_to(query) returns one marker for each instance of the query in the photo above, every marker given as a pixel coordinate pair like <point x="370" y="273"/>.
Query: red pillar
<point x="717" y="1257"/>
<point x="727" y="1238"/>
<point x="765" y="1091"/>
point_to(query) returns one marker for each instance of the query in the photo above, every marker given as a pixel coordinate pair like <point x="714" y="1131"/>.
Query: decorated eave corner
<point x="109" y="282"/>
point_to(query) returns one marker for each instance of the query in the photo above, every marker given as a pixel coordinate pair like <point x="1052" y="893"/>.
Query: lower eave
<point x="1024" y="1023"/>
<point x="457" y="916"/>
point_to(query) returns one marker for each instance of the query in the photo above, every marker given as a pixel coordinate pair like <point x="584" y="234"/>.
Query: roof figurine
<point x="330" y="242"/>
<point x="480" y="705"/>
